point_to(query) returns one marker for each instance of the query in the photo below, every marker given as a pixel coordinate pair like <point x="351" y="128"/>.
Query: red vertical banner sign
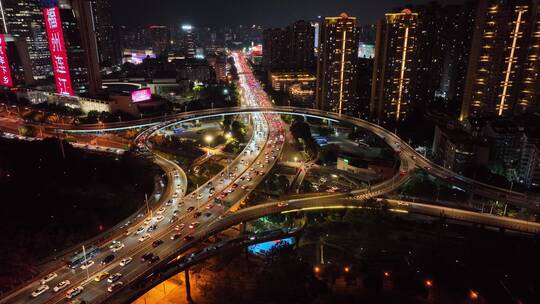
<point x="5" y="71"/>
<point x="58" y="50"/>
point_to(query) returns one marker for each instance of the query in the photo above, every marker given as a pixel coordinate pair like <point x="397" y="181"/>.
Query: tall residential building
<point x="300" y="52"/>
<point x="458" y="36"/>
<point x="337" y="64"/>
<point x="393" y="72"/>
<point x="289" y="48"/>
<point x="274" y="49"/>
<point x="23" y="19"/>
<point x="503" y="76"/>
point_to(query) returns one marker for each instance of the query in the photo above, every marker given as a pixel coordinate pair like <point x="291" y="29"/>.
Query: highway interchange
<point x="175" y="211"/>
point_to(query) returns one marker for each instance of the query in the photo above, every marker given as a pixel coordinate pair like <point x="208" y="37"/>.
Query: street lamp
<point x="228" y="135"/>
<point x="208" y="139"/>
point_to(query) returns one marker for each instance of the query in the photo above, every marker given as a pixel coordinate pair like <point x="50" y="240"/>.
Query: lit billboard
<point x="55" y="35"/>
<point x="5" y="71"/>
<point x="141" y="95"/>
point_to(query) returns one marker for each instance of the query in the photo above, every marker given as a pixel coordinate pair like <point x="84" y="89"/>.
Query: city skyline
<point x="327" y="152"/>
<point x="276" y="13"/>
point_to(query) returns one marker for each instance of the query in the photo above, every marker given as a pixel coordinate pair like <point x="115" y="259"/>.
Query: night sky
<point x="267" y="13"/>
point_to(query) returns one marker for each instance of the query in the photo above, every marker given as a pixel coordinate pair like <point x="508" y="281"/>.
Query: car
<point x="159" y="218"/>
<point x="156" y="243"/>
<point x="282" y="204"/>
<point x="169" y="202"/>
<point x="114" y="277"/>
<point x="199" y="196"/>
<point x="147" y="221"/>
<point x="145" y="257"/>
<point x="126" y="261"/>
<point x="188" y="237"/>
<point x="161" y="210"/>
<point x="140" y="230"/>
<point x="116" y="246"/>
<point x="41" y="289"/>
<point x="209" y="206"/>
<point x="48" y="277"/>
<point x="87" y="264"/>
<point x="102" y="276"/>
<point x="144" y="237"/>
<point x="107" y="259"/>
<point x="208" y="214"/>
<point x="173" y="219"/>
<point x="115" y="286"/>
<point x="193" y="225"/>
<point x="197" y="214"/>
<point x="151" y="228"/>
<point x="153" y="259"/>
<point x="176" y="236"/>
<point x="244" y="187"/>
<point x="74" y="292"/>
<point x="175" y="212"/>
<point x="179" y="227"/>
<point x="61" y="285"/>
<point x="190" y="209"/>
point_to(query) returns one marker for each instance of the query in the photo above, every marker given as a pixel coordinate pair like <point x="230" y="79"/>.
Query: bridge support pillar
<point x="243" y="228"/>
<point x="188" y="287"/>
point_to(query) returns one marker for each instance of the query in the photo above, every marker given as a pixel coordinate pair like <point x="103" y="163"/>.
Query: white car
<point x="41" y="289"/>
<point x="114" y="277"/>
<point x="74" y="292"/>
<point x="126" y="261"/>
<point x="147" y="221"/>
<point x="61" y="285"/>
<point x="87" y="264"/>
<point x="161" y="210"/>
<point x="116" y="246"/>
<point x="48" y="277"/>
<point x="144" y="237"/>
<point x="115" y="286"/>
<point x="159" y="218"/>
<point x="139" y="230"/>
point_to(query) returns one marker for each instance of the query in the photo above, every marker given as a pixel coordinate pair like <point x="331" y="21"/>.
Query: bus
<point x="78" y="258"/>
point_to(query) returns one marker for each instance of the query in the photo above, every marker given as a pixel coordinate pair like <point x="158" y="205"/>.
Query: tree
<point x="28" y="131"/>
<point x="329" y="153"/>
<point x="238" y="131"/>
<point x="300" y="129"/>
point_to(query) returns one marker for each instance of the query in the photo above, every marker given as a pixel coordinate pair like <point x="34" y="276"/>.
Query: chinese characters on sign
<point x="58" y="51"/>
<point x="5" y="72"/>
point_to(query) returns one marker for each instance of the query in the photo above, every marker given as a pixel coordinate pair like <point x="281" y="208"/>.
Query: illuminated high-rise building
<point x="337" y="64"/>
<point x="503" y="76"/>
<point x="23" y="19"/>
<point x="392" y="88"/>
<point x="188" y="41"/>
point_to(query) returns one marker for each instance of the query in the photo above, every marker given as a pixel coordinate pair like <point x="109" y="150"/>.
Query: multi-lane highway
<point x="179" y="222"/>
<point x="172" y="225"/>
